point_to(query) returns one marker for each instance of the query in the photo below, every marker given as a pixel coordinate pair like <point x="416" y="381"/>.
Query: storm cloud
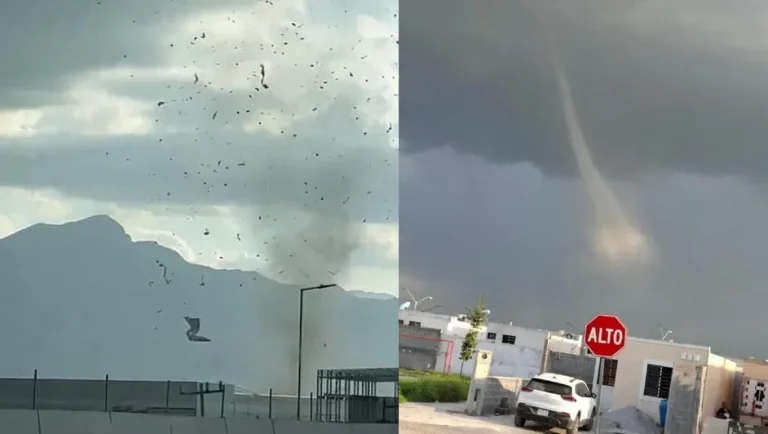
<point x="670" y="99"/>
<point x="253" y="134"/>
<point x="658" y="86"/>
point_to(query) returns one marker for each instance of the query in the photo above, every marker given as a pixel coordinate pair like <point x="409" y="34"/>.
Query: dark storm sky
<point x="673" y="102"/>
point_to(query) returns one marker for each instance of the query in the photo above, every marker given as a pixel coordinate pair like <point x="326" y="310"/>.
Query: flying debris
<point x="194" y="329"/>
<point x="263" y="77"/>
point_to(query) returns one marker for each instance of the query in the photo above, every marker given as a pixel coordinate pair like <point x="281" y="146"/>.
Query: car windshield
<point x="549" y="387"/>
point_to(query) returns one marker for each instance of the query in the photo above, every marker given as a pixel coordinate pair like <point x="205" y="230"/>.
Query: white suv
<point x="558" y="401"/>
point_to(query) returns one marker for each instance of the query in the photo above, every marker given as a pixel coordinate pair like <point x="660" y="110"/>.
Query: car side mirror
<point x="593" y="395"/>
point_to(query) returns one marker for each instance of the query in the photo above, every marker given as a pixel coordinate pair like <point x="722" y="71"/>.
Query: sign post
<point x="599" y="393"/>
<point x="604" y="336"/>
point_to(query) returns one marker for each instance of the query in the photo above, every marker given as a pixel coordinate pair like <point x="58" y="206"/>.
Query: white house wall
<point x="523" y="359"/>
<point x="630" y="372"/>
<point x="426" y="319"/>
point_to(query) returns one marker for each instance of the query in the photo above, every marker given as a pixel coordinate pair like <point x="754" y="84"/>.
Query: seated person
<point x="723" y="412"/>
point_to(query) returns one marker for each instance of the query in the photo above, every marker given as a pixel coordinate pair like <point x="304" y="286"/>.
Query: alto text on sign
<point x="605" y="335"/>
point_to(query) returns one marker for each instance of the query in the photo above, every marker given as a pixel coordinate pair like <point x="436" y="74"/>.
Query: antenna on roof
<point x="664" y="334"/>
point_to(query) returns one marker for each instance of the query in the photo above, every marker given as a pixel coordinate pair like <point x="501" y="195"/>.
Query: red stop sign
<point x="605" y="335"/>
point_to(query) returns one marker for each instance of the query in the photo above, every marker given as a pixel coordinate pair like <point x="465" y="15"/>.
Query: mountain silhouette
<point x="82" y="300"/>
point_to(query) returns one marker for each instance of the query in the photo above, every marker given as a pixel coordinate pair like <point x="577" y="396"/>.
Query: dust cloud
<point x="315" y="242"/>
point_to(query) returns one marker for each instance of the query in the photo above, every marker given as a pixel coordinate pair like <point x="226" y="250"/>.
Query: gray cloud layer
<point x="672" y="101"/>
<point x="656" y="85"/>
<point x="307" y="165"/>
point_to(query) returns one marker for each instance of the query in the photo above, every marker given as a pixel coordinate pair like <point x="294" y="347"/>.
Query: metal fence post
<point x="106" y="393"/>
<point x="270" y="403"/>
<point x="223" y="395"/>
<point x="310" y="406"/>
<point x="34" y="391"/>
<point x="167" y="396"/>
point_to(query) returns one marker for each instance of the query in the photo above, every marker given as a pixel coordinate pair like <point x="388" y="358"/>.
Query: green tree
<point x="476" y="316"/>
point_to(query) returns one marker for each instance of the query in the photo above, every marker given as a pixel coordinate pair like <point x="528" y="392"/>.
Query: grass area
<point x="430" y="386"/>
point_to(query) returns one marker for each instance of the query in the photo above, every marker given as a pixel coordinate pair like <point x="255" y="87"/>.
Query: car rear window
<point x="550" y="387"/>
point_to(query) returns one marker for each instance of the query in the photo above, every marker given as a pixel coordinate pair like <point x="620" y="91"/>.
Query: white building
<point x="639" y="376"/>
<point x="517" y="351"/>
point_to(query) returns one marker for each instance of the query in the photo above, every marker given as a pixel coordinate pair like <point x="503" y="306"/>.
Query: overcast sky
<point x="158" y="114"/>
<point x="665" y="226"/>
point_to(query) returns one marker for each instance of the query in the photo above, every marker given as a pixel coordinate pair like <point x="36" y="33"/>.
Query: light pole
<point x="301" y="335"/>
<point x="416" y="302"/>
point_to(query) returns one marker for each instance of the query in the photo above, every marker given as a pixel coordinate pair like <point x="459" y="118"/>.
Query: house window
<point x="508" y="339"/>
<point x="491" y="336"/>
<point x="657" y="381"/>
<point x="610" y="366"/>
<point x="401" y="322"/>
<point x="414" y="323"/>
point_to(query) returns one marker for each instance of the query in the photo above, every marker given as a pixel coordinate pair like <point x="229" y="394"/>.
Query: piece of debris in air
<point x="194" y="329"/>
<point x="196" y="79"/>
<point x="263" y="77"/>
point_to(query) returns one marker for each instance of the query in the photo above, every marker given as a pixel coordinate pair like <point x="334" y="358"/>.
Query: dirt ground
<point x="450" y="419"/>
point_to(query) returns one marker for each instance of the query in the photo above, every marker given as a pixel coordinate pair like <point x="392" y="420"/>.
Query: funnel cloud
<point x="615" y="239"/>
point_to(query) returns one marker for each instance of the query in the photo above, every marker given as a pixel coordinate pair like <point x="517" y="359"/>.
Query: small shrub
<point x="434" y="387"/>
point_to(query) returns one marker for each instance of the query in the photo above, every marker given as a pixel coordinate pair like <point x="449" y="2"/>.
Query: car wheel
<point x="519" y="422"/>
<point x="590" y="422"/>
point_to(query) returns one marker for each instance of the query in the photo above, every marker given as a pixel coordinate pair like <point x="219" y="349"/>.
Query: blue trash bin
<point x="663" y="412"/>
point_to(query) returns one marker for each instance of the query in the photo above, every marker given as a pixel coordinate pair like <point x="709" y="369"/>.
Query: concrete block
<point x="374" y="428"/>
<point x="197" y="425"/>
<point x="249" y="426"/>
<point x="685" y="398"/>
<point x="128" y="423"/>
<point x="297" y="427"/>
<point x="73" y="422"/>
<point x="713" y="425"/>
<point x="18" y="421"/>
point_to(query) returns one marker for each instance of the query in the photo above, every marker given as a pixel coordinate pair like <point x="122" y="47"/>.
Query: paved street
<point x="449" y="419"/>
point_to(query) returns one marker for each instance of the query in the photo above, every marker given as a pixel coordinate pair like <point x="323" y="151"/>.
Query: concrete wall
<point x="738" y="382"/>
<point x="561" y="344"/>
<point x="495" y="391"/>
<point x="427" y="319"/>
<point x="84" y="422"/>
<point x="420" y="348"/>
<point x="712" y="425"/>
<point x="523" y="359"/>
<point x="630" y="371"/>
<point x="572" y="365"/>
<point x="686" y="397"/>
<point x="756" y="369"/>
<point x="719" y="384"/>
<point x="94" y="395"/>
